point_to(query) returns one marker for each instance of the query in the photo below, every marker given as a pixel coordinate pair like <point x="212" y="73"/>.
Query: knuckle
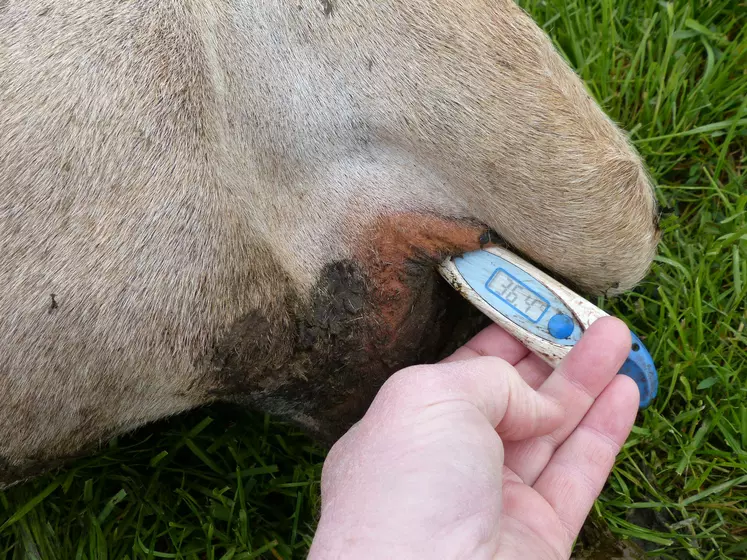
<point x="403" y="385"/>
<point x="494" y="363"/>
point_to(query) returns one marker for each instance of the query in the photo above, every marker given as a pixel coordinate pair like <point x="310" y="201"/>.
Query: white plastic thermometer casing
<point x="537" y="310"/>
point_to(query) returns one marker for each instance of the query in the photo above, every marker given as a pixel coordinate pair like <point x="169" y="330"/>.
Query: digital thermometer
<point x="537" y="310"/>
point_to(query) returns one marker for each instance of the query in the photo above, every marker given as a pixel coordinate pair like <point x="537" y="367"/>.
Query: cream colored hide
<point x="245" y="201"/>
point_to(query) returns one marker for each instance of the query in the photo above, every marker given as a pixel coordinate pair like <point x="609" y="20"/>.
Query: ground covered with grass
<point x="219" y="485"/>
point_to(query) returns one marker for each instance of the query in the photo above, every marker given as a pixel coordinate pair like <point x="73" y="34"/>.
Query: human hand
<point x="489" y="454"/>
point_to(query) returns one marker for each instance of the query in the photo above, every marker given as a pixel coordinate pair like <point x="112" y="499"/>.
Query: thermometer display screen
<point x="517" y="295"/>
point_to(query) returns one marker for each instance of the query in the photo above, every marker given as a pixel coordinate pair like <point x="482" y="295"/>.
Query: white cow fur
<point x="168" y="166"/>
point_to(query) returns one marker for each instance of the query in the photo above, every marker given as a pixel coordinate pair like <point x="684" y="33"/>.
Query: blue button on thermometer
<point x="536" y="309"/>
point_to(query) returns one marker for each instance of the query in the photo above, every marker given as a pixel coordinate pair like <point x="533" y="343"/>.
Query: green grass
<point x="218" y="485"/>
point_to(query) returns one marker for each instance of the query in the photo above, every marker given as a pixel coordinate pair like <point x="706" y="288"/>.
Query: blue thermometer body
<point x="542" y="313"/>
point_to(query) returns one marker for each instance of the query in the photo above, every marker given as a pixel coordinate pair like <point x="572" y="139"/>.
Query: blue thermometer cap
<point x="639" y="366"/>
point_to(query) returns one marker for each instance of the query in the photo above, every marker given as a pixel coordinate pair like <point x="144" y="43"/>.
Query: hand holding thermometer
<point x="537" y="310"/>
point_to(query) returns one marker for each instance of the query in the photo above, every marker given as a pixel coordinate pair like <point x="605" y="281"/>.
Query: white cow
<point x="244" y="200"/>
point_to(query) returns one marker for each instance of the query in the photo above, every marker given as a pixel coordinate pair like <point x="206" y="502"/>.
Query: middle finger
<point x="576" y="383"/>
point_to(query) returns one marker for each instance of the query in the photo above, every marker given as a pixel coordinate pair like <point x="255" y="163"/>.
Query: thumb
<point x="489" y="384"/>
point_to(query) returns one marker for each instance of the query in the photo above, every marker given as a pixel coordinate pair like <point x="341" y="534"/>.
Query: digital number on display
<point x="517" y="295"/>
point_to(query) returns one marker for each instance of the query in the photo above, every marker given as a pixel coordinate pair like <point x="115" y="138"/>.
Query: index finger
<point x="491" y="341"/>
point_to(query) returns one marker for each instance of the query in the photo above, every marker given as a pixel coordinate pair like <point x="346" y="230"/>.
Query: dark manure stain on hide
<point x="328" y="7"/>
<point x="321" y="370"/>
<point x="53" y="305"/>
<point x="318" y="361"/>
<point x="312" y="366"/>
